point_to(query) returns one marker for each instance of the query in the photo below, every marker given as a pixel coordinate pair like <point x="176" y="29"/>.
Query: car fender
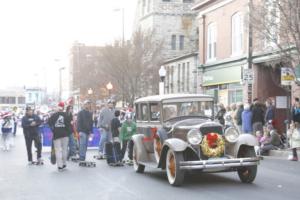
<point x="175" y="144"/>
<point x="140" y="148"/>
<point x="244" y="139"/>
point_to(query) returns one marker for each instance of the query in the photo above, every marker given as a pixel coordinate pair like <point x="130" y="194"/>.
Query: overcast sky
<point x="33" y="33"/>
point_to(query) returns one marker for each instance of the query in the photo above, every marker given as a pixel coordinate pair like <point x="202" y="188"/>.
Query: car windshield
<point x="193" y="108"/>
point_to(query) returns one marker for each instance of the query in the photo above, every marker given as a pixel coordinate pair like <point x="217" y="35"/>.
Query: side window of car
<point x="154" y="112"/>
<point x="144" y="109"/>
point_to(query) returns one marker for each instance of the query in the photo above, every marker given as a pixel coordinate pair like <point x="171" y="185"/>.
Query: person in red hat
<point x="7" y="130"/>
<point x="60" y="125"/>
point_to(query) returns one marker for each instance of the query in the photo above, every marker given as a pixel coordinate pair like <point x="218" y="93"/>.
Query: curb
<point x="279" y="153"/>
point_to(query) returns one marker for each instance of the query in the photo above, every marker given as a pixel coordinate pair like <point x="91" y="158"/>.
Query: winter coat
<point x="294" y="137"/>
<point x="85" y="122"/>
<point x="28" y="129"/>
<point x="247" y="121"/>
<point x="270" y="114"/>
<point x="127" y="130"/>
<point x="115" y="125"/>
<point x="239" y="116"/>
<point x="220" y="116"/>
<point x="60" y="124"/>
<point x="296" y="115"/>
<point x="7" y="126"/>
<point x="105" y="117"/>
<point x="257" y="114"/>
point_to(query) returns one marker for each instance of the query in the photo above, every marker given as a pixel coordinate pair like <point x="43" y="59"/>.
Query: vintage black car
<point x="178" y="133"/>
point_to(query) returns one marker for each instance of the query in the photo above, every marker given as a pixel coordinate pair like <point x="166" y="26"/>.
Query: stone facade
<point x="181" y="74"/>
<point x="167" y="18"/>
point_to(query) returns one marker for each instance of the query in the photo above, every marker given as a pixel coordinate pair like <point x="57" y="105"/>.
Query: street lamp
<point x="109" y="87"/>
<point x="60" y="82"/>
<point x="162" y="74"/>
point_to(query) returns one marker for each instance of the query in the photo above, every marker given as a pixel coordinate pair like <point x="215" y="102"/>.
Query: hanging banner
<point x="287" y="76"/>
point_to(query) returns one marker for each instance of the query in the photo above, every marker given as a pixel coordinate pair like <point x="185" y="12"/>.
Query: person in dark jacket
<point x="221" y="113"/>
<point x="258" y="119"/>
<point x="238" y="116"/>
<point x="30" y="125"/>
<point x="270" y="112"/>
<point x="60" y="125"/>
<point x="296" y="112"/>
<point x="85" y="128"/>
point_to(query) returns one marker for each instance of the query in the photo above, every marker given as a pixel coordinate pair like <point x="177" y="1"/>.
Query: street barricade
<point x="46" y="134"/>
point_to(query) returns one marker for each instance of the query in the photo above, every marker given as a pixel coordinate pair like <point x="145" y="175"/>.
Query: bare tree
<point x="276" y="22"/>
<point x="133" y="66"/>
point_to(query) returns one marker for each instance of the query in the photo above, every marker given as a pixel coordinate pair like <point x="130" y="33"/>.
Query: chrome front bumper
<point x="219" y="163"/>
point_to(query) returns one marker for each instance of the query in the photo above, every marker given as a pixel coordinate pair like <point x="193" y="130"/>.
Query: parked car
<point x="178" y="133"/>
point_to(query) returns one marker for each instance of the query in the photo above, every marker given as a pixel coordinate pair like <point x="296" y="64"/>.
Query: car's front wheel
<point x="174" y="174"/>
<point x="247" y="174"/>
<point x="139" y="168"/>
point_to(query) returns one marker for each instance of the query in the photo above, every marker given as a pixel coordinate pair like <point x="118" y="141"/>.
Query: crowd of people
<point x="259" y="120"/>
<point x="72" y="133"/>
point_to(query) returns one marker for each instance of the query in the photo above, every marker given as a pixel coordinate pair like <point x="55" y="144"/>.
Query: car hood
<point x="193" y="123"/>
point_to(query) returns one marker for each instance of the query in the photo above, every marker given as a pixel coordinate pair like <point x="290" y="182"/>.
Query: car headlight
<point x="194" y="137"/>
<point x="231" y="134"/>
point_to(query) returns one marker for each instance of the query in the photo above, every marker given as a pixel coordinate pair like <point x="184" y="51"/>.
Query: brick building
<point x="229" y="50"/>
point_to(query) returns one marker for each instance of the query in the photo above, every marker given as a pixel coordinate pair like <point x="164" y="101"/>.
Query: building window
<point x="183" y="77"/>
<point x="181" y="42"/>
<point x="272" y="22"/>
<point x="188" y="1"/>
<point x="29" y="97"/>
<point x="166" y="0"/>
<point x="188" y="77"/>
<point x="148" y="6"/>
<point x="211" y="41"/>
<point x="178" y="78"/>
<point x="172" y="79"/>
<point x="173" y="42"/>
<point x="237" y="33"/>
<point x="21" y="100"/>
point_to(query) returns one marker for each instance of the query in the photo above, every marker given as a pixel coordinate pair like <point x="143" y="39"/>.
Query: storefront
<point x="224" y="82"/>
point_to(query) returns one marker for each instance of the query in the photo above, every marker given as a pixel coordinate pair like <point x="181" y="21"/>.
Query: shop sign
<point x="287" y="76"/>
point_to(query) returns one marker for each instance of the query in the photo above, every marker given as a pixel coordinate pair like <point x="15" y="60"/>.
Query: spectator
<point x="270" y="112"/>
<point x="104" y="123"/>
<point x="238" y="116"/>
<point x="257" y="117"/>
<point x="294" y="135"/>
<point x="247" y="119"/>
<point x="127" y="131"/>
<point x="60" y="125"/>
<point x="221" y="113"/>
<point x="85" y="128"/>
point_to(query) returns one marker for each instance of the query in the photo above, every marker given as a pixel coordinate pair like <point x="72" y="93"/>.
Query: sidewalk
<point x="282" y="154"/>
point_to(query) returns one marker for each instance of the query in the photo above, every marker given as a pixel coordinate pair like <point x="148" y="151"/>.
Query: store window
<point x="173" y="42"/>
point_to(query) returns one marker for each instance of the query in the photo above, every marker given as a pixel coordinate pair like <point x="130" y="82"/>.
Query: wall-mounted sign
<point x="287" y="76"/>
<point x="281" y="102"/>
<point x="248" y="75"/>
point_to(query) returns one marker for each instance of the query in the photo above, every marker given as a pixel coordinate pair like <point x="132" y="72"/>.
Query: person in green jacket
<point x="128" y="129"/>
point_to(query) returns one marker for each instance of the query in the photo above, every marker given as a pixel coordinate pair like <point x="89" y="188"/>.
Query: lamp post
<point x="60" y="82"/>
<point x="109" y="87"/>
<point x="162" y="74"/>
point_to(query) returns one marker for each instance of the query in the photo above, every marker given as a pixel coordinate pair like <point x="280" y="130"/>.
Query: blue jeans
<point x="106" y="136"/>
<point x="83" y="143"/>
<point x="72" y="146"/>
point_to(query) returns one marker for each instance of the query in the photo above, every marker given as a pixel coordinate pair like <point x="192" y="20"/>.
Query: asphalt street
<point x="276" y="179"/>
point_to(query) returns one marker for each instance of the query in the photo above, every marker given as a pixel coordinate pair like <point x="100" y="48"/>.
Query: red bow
<point x="212" y="139"/>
